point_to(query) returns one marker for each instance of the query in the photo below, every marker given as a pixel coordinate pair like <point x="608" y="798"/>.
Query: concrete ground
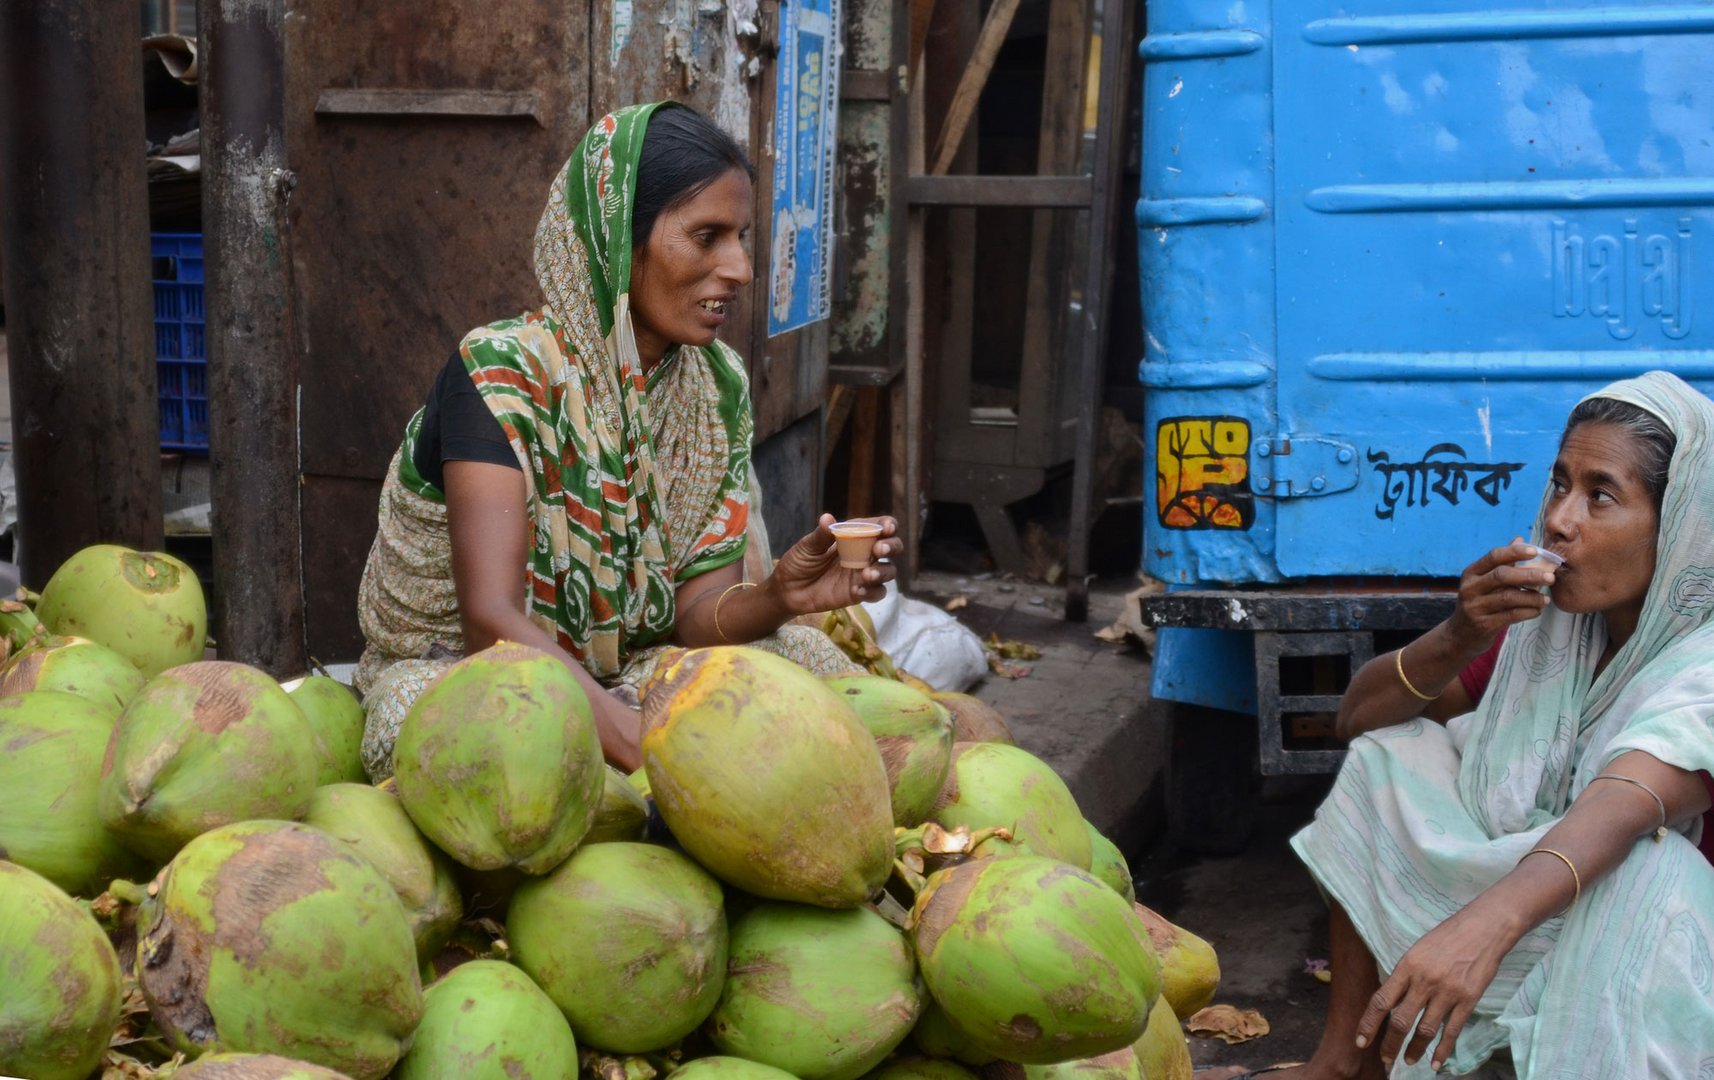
<point x="1083" y="707"/>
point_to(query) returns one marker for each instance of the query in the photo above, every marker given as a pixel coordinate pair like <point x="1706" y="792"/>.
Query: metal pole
<point x="252" y="360"/>
<point x="80" y="317"/>
<point x="1116" y="31"/>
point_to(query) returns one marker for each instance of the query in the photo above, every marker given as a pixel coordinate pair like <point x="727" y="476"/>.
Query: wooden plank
<point x="865" y="424"/>
<point x="862" y="374"/>
<point x="1048" y="337"/>
<point x="839" y="401"/>
<point x="975" y="77"/>
<point x="1117" y="31"/>
<point x="500" y="104"/>
<point x="856" y="84"/>
<point x="922" y="15"/>
<point x="1055" y="191"/>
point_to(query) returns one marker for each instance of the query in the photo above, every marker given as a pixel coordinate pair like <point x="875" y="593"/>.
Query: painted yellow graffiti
<point x="1202" y="473"/>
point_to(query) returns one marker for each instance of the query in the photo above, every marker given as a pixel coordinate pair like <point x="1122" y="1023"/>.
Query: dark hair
<point x="683" y="152"/>
<point x="1653" y="440"/>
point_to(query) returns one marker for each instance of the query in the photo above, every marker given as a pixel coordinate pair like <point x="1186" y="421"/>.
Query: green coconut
<point x="59" y="981"/>
<point x="336" y="722"/>
<point x="272" y="937"/>
<point x="253" y="1067"/>
<point x="1108" y="863"/>
<point x="640" y="780"/>
<point x="373" y="824"/>
<point x="486" y="1020"/>
<point x="623" y="813"/>
<point x="913" y="733"/>
<point x="918" y="1068"/>
<point x="974" y="720"/>
<point x="629" y="940"/>
<point x="1190" y="970"/>
<point x="145" y="606"/>
<point x="992" y="784"/>
<point x="824" y="995"/>
<point x="1163" y="1053"/>
<point x="1120" y="1064"/>
<point x="51" y="746"/>
<point x="1034" y="960"/>
<point x="76" y="666"/>
<point x="727" y="1068"/>
<point x="936" y="1036"/>
<point x="200" y="746"/>
<point x="767" y="777"/>
<point x="498" y="762"/>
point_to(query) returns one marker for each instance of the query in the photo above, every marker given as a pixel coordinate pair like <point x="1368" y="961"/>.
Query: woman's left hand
<point x="808" y="577"/>
<point x="1435" y="988"/>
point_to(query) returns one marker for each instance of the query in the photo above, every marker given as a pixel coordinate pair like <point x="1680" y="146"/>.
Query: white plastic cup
<point x="1545" y="560"/>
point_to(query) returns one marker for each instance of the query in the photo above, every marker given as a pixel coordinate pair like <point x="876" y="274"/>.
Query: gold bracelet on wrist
<point x="722" y="600"/>
<point x="1399" y="666"/>
<point x="1576" y="878"/>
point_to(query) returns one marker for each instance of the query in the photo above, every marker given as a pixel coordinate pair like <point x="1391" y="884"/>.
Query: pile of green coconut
<point x="817" y="878"/>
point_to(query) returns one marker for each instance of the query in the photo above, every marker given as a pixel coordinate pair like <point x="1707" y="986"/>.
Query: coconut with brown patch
<point x="1190" y="970"/>
<point x="913" y="733"/>
<point x="823" y="995"/>
<point x="374" y="825"/>
<point x="73" y="665"/>
<point x="1033" y="960"/>
<point x="498" y="762"/>
<point x="993" y="785"/>
<point x="486" y="1020"/>
<point x="253" y="1067"/>
<point x="146" y="606"/>
<point x="767" y="778"/>
<point x="59" y="998"/>
<point x="51" y="747"/>
<point x="629" y="940"/>
<point x="200" y="746"/>
<point x="974" y="720"/>
<point x="273" y="937"/>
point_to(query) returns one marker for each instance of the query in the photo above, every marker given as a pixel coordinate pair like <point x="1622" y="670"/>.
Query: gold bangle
<point x="1576" y="878"/>
<point x="1399" y="666"/>
<point x="722" y="600"/>
<point x="1660" y="830"/>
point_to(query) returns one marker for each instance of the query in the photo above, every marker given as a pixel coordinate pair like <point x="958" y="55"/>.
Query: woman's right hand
<point x="1494" y="593"/>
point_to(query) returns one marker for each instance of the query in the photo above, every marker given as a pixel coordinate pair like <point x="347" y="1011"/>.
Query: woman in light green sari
<point x="1514" y="875"/>
<point x="580" y="479"/>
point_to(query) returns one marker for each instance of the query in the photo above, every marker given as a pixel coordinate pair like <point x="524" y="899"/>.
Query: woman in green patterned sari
<point x="579" y="480"/>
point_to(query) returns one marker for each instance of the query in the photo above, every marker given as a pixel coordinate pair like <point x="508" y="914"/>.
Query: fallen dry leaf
<point x="1009" y="649"/>
<point x="1113" y="634"/>
<point x="958" y="603"/>
<point x="1227" y="1023"/>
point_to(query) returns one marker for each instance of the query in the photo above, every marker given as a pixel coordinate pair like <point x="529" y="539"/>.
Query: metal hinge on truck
<point x="1298" y="466"/>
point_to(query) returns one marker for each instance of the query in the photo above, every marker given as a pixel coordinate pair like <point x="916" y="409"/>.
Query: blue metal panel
<point x="1215" y="668"/>
<point x="1447" y="223"/>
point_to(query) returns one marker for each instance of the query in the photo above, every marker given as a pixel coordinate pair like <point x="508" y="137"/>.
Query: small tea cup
<point x="856" y="540"/>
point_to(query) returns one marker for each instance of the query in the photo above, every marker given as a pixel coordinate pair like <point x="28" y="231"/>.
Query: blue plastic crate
<point x="180" y="360"/>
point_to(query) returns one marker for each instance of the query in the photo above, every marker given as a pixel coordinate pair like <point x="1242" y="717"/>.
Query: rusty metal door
<point x="424" y="138"/>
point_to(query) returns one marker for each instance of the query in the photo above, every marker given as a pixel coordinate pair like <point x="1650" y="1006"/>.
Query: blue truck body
<point x="1385" y="247"/>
